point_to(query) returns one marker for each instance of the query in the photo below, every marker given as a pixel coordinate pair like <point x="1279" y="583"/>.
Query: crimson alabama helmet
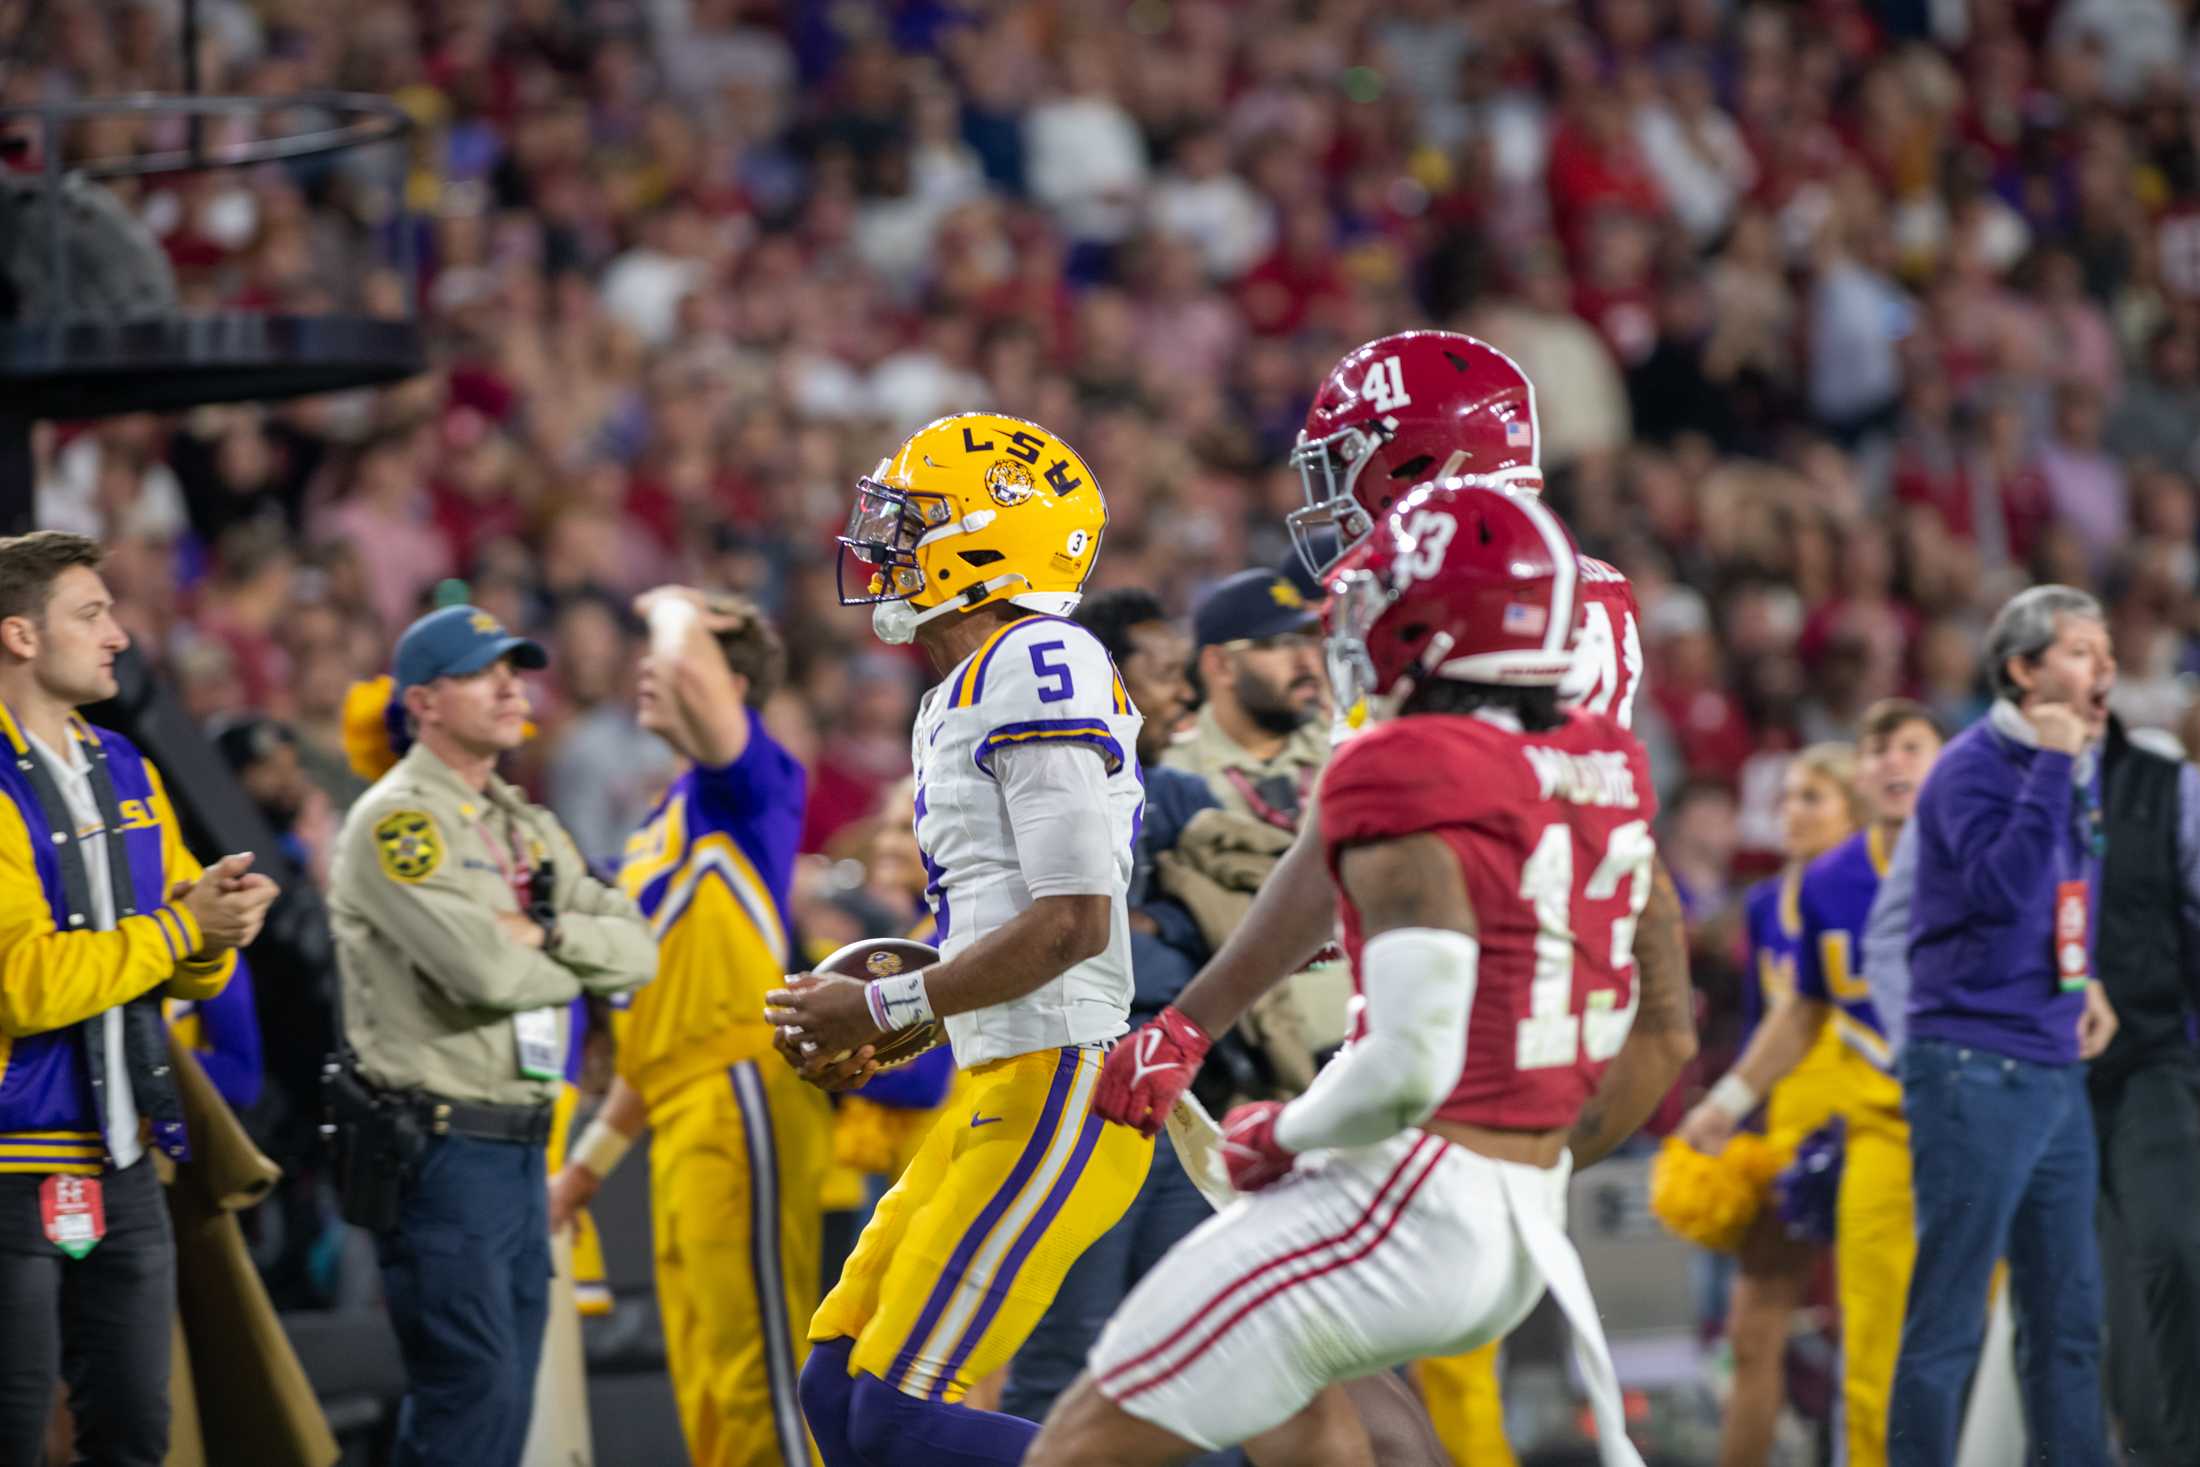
<point x="1400" y="411"/>
<point x="1465" y="578"/>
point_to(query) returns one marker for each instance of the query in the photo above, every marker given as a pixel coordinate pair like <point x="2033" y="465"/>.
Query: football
<point x="883" y="957"/>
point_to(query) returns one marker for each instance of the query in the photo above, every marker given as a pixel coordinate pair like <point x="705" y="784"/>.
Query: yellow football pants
<point x="737" y="1158"/>
<point x="967" y="1250"/>
<point x="1874" y="1246"/>
<point x="1466" y="1408"/>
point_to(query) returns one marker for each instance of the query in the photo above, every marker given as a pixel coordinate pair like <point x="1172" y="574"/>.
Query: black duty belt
<point x="440" y="1116"/>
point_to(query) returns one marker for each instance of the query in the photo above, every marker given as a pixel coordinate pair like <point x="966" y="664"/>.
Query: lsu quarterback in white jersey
<point x="974" y="539"/>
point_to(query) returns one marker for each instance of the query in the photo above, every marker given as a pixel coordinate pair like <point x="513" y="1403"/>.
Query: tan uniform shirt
<point x="1274" y="791"/>
<point x="436" y="995"/>
<point x="1307" y="1012"/>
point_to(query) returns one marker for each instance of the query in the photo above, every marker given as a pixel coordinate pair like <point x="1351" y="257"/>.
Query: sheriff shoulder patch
<point x="409" y="845"/>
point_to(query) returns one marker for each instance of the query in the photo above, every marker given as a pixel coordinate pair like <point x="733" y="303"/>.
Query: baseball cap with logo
<point x="1251" y="605"/>
<point x="459" y="641"/>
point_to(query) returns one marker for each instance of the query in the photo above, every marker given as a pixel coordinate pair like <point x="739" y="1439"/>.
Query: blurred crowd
<point x="1848" y="318"/>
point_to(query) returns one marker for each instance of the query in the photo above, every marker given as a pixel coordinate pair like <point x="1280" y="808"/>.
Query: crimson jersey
<point x="1552" y="831"/>
<point x="1608" y="659"/>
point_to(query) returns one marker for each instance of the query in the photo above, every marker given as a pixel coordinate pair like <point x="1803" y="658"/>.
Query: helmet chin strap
<point x="1430" y="661"/>
<point x="896" y="622"/>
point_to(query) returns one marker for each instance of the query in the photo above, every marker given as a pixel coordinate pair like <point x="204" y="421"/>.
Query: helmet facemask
<point x="885" y="526"/>
<point x="1338" y="459"/>
<point x="887" y="529"/>
<point x="1357" y="599"/>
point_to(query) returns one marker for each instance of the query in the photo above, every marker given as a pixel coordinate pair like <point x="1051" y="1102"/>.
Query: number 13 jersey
<point x="1551" y="831"/>
<point x="1040" y="681"/>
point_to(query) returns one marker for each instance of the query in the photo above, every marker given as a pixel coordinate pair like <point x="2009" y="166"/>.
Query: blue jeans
<point x="466" y="1272"/>
<point x="2005" y="1165"/>
<point x="1167" y="1207"/>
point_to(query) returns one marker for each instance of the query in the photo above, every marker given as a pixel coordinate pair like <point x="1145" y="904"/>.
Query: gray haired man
<point x="2001" y="1013"/>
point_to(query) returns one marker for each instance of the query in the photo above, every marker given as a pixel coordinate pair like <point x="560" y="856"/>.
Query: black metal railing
<point x="369" y="120"/>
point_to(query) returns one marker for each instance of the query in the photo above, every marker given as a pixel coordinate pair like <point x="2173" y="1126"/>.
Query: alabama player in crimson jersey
<point x="1420" y="405"/>
<point x="1396" y="411"/>
<point x="1494" y="856"/>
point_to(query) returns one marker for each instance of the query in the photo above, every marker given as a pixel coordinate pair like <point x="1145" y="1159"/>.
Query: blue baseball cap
<point x="1249" y="606"/>
<point x="457" y="642"/>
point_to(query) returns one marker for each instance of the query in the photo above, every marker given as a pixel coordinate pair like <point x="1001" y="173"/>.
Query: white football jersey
<point x="1043" y="679"/>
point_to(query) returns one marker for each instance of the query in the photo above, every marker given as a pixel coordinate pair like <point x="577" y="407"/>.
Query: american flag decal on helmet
<point x="1517" y="434"/>
<point x="1524" y="619"/>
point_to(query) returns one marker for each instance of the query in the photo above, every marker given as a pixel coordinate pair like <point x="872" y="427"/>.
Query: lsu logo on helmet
<point x="1009" y="482"/>
<point x="970" y="510"/>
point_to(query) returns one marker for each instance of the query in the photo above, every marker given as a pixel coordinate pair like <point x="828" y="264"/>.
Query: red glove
<point x="1250" y="1149"/>
<point x="1149" y="1071"/>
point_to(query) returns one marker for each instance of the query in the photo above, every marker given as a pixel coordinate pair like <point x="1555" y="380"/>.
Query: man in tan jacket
<point x="466" y="924"/>
<point x="1260" y="741"/>
<point x="1261" y="738"/>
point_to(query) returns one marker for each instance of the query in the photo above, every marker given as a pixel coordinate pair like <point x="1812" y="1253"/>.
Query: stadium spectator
<point x="602" y="772"/>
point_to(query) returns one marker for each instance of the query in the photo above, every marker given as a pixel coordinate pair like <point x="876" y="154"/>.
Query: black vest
<point x="2141" y="954"/>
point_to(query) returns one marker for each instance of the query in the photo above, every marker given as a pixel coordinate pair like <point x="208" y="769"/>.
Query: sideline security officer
<point x="466" y="923"/>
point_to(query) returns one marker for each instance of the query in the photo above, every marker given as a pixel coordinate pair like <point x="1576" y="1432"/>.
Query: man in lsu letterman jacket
<point x="102" y="914"/>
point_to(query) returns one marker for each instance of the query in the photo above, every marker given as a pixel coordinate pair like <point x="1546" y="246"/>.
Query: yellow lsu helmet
<point x="972" y="509"/>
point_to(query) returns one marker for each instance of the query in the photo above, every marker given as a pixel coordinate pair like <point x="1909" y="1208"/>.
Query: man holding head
<point x="2003" y="1011"/>
<point x="466" y="923"/>
<point x="741" y="1143"/>
<point x="103" y="913"/>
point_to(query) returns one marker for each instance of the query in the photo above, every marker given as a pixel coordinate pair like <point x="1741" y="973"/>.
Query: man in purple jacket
<point x="2003" y="1011"/>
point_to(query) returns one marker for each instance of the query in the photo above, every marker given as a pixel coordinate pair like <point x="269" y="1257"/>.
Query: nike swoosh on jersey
<point x="977" y="1120"/>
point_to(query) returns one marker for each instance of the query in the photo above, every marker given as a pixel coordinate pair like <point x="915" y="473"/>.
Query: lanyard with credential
<point x="2073" y="904"/>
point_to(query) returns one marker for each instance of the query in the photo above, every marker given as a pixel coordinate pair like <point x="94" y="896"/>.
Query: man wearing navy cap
<point x="466" y="923"/>
<point x="1257" y="664"/>
<point x="1259" y="743"/>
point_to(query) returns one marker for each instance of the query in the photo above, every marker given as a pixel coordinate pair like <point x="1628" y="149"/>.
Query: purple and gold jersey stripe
<point x="970" y="683"/>
<point x="67" y="1153"/>
<point x="1086" y="731"/>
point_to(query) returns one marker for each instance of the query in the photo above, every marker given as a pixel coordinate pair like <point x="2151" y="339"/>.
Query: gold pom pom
<point x="367" y="729"/>
<point x="863" y="1136"/>
<point x="1712" y="1200"/>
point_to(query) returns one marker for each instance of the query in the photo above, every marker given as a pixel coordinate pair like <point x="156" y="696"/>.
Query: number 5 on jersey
<point x="1556" y="1033"/>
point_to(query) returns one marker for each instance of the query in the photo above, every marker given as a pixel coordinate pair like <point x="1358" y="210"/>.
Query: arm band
<point x="602" y="1147"/>
<point x="1733" y="1095"/>
<point x="899" y="1001"/>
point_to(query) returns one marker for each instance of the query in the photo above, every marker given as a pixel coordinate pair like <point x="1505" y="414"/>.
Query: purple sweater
<point x="1999" y="827"/>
